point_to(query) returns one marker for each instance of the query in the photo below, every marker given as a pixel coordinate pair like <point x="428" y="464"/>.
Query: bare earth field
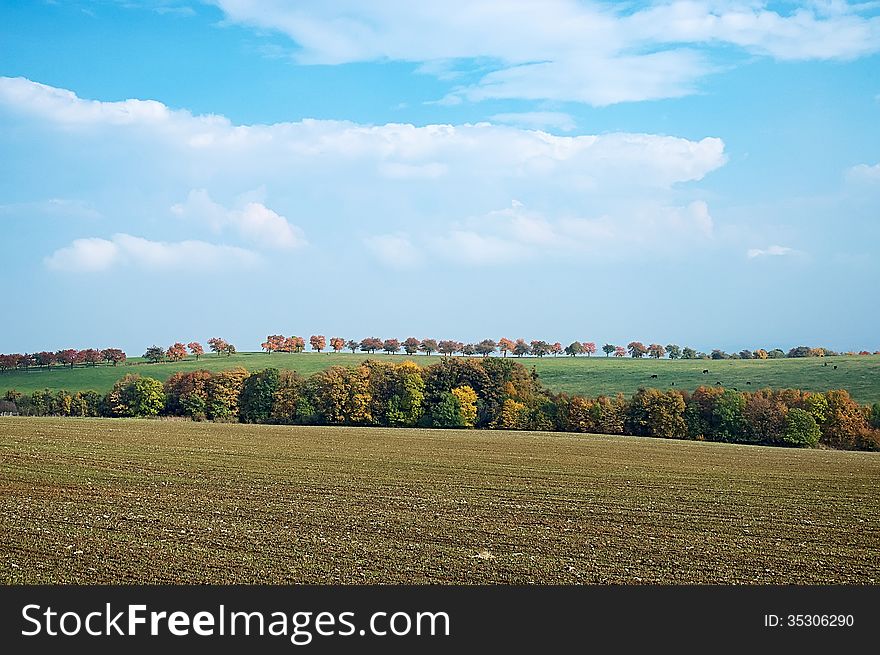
<point x="138" y="501"/>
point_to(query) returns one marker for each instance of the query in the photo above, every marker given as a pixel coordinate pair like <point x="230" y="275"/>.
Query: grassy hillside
<point x="127" y="501"/>
<point x="590" y="376"/>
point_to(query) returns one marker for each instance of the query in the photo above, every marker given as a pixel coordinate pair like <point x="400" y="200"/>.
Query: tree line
<point x="535" y="348"/>
<point x="411" y="346"/>
<point x="490" y="393"/>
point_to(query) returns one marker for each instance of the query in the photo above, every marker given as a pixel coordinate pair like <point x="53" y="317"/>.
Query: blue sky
<point x="705" y="173"/>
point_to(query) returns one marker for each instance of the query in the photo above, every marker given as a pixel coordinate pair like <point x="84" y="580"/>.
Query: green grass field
<point x="139" y="501"/>
<point x="592" y="376"/>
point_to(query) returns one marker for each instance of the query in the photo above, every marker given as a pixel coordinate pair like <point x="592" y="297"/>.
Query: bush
<point x="801" y="429"/>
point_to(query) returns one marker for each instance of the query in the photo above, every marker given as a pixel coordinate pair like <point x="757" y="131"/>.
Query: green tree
<point x="224" y="389"/>
<point x="673" y="351"/>
<point x="729" y="420"/>
<point x="574" y="348"/>
<point x="801" y="429"/>
<point x="154" y="354"/>
<point x="133" y="395"/>
<point x="608" y="348"/>
<point x="874" y="416"/>
<point x="258" y="396"/>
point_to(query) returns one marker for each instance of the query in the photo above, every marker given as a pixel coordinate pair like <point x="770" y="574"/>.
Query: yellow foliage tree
<point x="467" y="404"/>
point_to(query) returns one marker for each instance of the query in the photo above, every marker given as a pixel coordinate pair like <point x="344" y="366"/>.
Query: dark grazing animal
<point x="835" y="367"/>
<point x="654" y="376"/>
<point x="705" y="370"/>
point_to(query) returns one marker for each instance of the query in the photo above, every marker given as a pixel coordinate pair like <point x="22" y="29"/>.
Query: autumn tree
<point x="466" y="398"/>
<point x="656" y="351"/>
<point x="391" y="346"/>
<point x="217" y="345"/>
<point x="673" y="350"/>
<point x="223" y="391"/>
<point x="274" y="343"/>
<point x="66" y="357"/>
<point x="636" y="349"/>
<point x="195" y="348"/>
<point x="428" y="346"/>
<point x="505" y="345"/>
<point x="154" y="354"/>
<point x="556" y="349"/>
<point x="90" y="356"/>
<point x="521" y="348"/>
<point x="589" y="348"/>
<point x="186" y="394"/>
<point x="352" y="345"/>
<point x="341" y="396"/>
<point x="371" y="344"/>
<point x="337" y="344"/>
<point x="574" y="348"/>
<point x="449" y="347"/>
<point x="608" y="349"/>
<point x="486" y="347"/>
<point x="619" y="351"/>
<point x="229" y="349"/>
<point x="294" y="344"/>
<point x="176" y="352"/>
<point x="46" y="358"/>
<point x="318" y="342"/>
<point x="411" y="346"/>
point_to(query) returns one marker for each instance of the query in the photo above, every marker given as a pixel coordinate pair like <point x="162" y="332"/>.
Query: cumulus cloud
<point x="96" y="255"/>
<point x="254" y="221"/>
<point x="398" y="179"/>
<point x="772" y="251"/>
<point x="394" y="250"/>
<point x="391" y="151"/>
<point x="594" y="52"/>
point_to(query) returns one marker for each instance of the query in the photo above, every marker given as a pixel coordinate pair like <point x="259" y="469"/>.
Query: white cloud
<point x="517" y="233"/>
<point x="537" y="119"/>
<point x="587" y="193"/>
<point x="863" y="173"/>
<point x="309" y="147"/>
<point x="98" y="255"/>
<point x="598" y="53"/>
<point x="394" y="250"/>
<point x="255" y="222"/>
<point x="772" y="251"/>
<point x="85" y="255"/>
